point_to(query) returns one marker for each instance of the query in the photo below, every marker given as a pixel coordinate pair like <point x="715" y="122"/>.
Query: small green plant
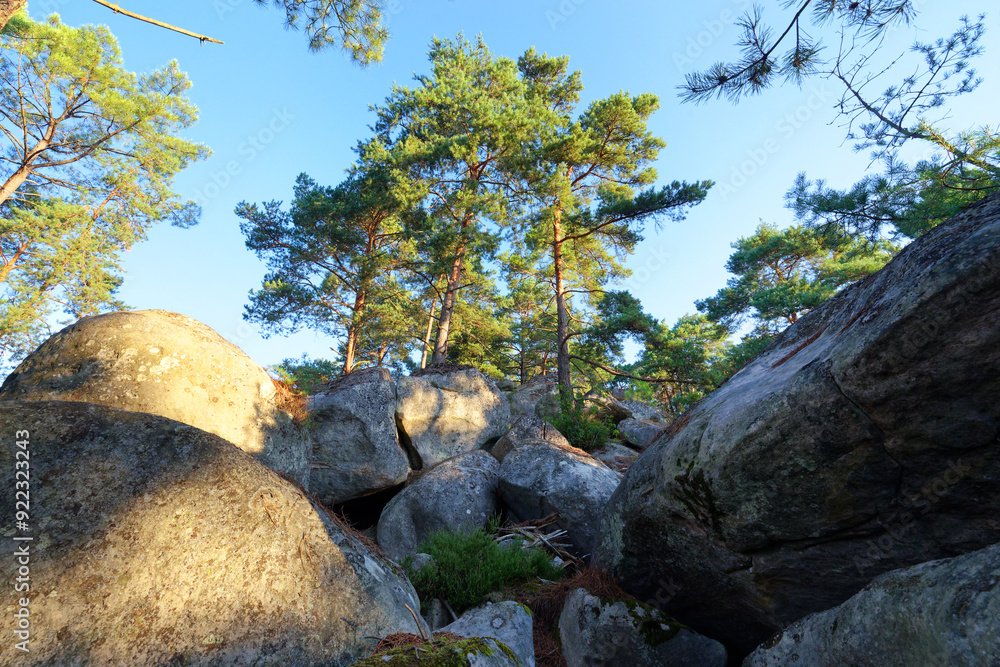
<point x="583" y="428"/>
<point x="469" y="566"/>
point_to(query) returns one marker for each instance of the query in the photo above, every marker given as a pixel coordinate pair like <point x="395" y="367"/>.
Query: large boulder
<point x="862" y="440"/>
<point x="642" y="411"/>
<point x="165" y="364"/>
<point x="528" y="426"/>
<point x="356" y="451"/>
<point x="506" y="622"/>
<point x="541" y="478"/>
<point x="444" y="410"/>
<point x="458" y="494"/>
<point x="595" y="632"/>
<point x="539" y="395"/>
<point x="639" y="433"/>
<point x="944" y="612"/>
<point x="155" y="543"/>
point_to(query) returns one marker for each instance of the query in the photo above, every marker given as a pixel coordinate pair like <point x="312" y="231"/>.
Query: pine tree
<point x="585" y="176"/>
<point x="91" y="157"/>
<point x="333" y="260"/>
<point x="448" y="142"/>
<point x="782" y="274"/>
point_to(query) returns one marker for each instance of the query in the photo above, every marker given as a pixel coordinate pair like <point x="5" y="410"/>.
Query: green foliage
<point x="449" y="143"/>
<point x="907" y="200"/>
<point x="469" y="566"/>
<point x="762" y="64"/>
<point x="305" y="375"/>
<point x="356" y="25"/>
<point x="781" y="274"/>
<point x="688" y="358"/>
<point x="582" y="427"/>
<point x="332" y="260"/>
<point x="94" y="151"/>
<point x="590" y="179"/>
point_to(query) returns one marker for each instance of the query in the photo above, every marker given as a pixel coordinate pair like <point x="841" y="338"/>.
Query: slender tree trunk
<point x="354" y="332"/>
<point x="8" y="8"/>
<point x="448" y="302"/>
<point x="447" y="308"/>
<point x="562" y="312"/>
<point x="352" y="345"/>
<point x="427" y="336"/>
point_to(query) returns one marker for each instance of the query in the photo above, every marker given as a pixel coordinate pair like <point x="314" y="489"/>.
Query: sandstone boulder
<point x="356" y="451"/>
<point x="457" y="494"/>
<point x="944" y="612"/>
<point x="642" y="411"/>
<point x="528" y="426"/>
<point x="506" y="622"/>
<point x="541" y="478"/>
<point x="539" y="395"/>
<point x="639" y="433"/>
<point x="155" y="543"/>
<point x="594" y="632"/>
<point x="442" y="411"/>
<point x="862" y="440"/>
<point x="615" y="455"/>
<point x="165" y="364"/>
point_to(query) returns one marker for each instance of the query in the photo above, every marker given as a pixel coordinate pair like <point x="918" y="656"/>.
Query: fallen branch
<point x="118" y="10"/>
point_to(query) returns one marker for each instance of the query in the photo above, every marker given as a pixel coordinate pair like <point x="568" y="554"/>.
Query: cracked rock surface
<point x="864" y="439"/>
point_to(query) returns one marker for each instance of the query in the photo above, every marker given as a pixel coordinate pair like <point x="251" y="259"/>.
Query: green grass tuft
<point x="582" y="428"/>
<point x="469" y="566"/>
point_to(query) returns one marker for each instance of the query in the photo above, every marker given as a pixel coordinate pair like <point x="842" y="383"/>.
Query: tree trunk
<point x="562" y="327"/>
<point x="447" y="308"/>
<point x="352" y="345"/>
<point x="448" y="302"/>
<point x="427" y="336"/>
<point x="8" y="8"/>
<point x="353" y="331"/>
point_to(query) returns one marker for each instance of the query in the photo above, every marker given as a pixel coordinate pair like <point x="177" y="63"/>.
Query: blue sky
<point x="271" y="110"/>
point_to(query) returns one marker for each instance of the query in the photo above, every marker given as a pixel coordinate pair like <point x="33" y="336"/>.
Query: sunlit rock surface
<point x="155" y="543"/>
<point x="449" y="410"/>
<point x="165" y="364"/>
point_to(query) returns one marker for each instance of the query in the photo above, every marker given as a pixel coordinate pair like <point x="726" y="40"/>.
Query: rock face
<point x="458" y="494"/>
<point x="156" y="543"/>
<point x="639" y="433"/>
<point x="170" y="365"/>
<point x="594" y="632"/>
<point x="356" y="451"/>
<point x="944" y="612"/>
<point x="443" y="412"/>
<point x="642" y="411"/>
<point x="506" y="622"/>
<point x="862" y="440"/>
<point x="528" y="426"/>
<point x="541" y="478"/>
<point x="539" y="395"/>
